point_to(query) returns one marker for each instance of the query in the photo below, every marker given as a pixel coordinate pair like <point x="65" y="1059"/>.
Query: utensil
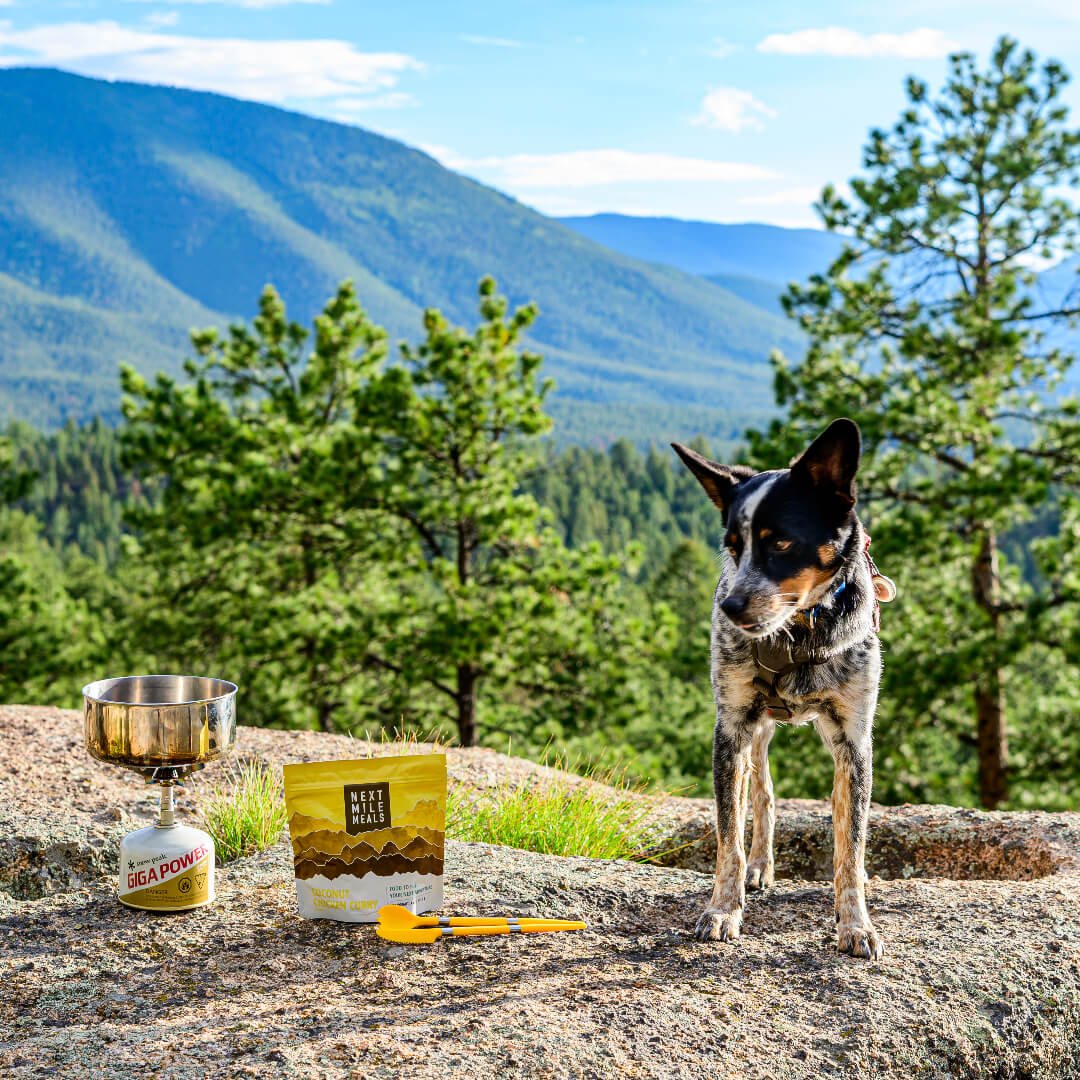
<point x="402" y="918"/>
<point x="428" y="935"/>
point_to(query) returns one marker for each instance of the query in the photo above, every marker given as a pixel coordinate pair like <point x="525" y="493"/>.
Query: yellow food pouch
<point x="367" y="833"/>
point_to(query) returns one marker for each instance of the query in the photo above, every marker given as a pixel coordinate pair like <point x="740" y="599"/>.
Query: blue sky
<point x="690" y="108"/>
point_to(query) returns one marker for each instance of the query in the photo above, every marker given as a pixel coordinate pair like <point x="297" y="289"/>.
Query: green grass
<point x="560" y="817"/>
<point x="245" y="813"/>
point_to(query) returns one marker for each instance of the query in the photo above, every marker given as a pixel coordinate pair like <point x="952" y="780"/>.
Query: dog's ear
<point x="830" y="462"/>
<point x="719" y="481"/>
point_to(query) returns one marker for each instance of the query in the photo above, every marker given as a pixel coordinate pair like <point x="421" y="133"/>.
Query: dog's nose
<point x="734" y="606"/>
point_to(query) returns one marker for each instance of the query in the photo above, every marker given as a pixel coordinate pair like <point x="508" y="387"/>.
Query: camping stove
<point x="165" y="727"/>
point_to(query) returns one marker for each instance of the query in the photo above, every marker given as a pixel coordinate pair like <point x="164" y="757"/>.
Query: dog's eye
<point x="782" y="545"/>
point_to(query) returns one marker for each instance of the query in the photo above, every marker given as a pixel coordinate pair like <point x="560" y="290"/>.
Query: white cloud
<point x="595" y="168"/>
<point x="555" y="204"/>
<point x="274" y="71"/>
<point x="729" y="109"/>
<point x="922" y="44"/>
<point x="496" y="42"/>
<point x="624" y="182"/>
<point x="159" y="19"/>
<point x="721" y="48"/>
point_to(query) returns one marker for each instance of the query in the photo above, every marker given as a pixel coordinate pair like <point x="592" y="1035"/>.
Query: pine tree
<point x="931" y="330"/>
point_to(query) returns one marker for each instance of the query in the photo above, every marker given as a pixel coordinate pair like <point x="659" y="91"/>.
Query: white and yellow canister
<point x="166" y="867"/>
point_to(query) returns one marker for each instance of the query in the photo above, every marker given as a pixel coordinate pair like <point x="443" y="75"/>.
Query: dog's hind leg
<point x="722" y="919"/>
<point x="760" y="869"/>
<point x="852" y="778"/>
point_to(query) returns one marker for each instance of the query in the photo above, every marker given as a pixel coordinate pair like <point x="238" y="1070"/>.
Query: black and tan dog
<point x="793" y="640"/>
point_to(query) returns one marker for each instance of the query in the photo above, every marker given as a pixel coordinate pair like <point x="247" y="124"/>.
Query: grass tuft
<point x="245" y="813"/>
<point x="560" y="817"/>
<point x="401" y="741"/>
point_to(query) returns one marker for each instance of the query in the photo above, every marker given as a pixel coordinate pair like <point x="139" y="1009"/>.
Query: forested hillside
<point x="80" y="491"/>
<point x="131" y="214"/>
<point x="623" y="496"/>
<point x="614" y="497"/>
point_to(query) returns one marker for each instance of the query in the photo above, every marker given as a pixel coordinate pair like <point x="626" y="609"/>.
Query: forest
<point x="367" y="538"/>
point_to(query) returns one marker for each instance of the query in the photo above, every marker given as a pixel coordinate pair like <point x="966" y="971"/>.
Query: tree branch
<point x="429" y="538"/>
<point x="1058" y="599"/>
<point x="939" y="455"/>
<point x="378" y="661"/>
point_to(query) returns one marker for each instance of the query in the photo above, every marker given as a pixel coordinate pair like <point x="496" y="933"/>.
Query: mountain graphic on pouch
<point x="387" y="851"/>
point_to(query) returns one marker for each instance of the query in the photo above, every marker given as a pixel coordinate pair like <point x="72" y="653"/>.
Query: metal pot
<point x="158" y="721"/>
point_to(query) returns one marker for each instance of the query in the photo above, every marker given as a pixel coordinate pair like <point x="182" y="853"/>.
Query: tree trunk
<point x="324" y="710"/>
<point x="326" y="715"/>
<point x="990" y="683"/>
<point x="467" y="675"/>
<point x="466" y="704"/>
<point x="990" y="710"/>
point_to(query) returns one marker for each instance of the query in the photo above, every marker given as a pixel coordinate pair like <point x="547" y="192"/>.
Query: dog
<point x="794" y="640"/>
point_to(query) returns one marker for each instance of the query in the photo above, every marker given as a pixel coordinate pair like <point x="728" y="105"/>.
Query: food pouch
<point x="367" y="833"/>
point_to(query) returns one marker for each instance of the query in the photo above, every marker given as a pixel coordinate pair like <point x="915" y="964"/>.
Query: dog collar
<point x="816" y="610"/>
<point x="884" y="590"/>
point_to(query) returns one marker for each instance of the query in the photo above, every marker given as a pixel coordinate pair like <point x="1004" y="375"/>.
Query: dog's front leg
<point x="722" y="919"/>
<point x="850" y="744"/>
<point x="760" y="870"/>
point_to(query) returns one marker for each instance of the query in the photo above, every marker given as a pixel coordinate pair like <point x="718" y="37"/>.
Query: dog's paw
<point x="862" y="941"/>
<point x="759" y="874"/>
<point x="715" y="925"/>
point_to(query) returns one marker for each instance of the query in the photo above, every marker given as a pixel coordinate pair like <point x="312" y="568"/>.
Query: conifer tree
<point x="933" y="332"/>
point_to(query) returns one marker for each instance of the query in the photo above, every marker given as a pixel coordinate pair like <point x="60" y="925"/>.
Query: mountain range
<point x="766" y="255"/>
<point x="754" y="262"/>
<point x="130" y="214"/>
<point x="758" y="262"/>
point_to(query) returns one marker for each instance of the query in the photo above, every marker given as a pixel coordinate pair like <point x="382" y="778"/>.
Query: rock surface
<point x="981" y="976"/>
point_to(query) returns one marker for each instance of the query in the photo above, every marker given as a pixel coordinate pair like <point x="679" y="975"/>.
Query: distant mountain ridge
<point x="768" y="253"/>
<point x="758" y="262"/>
<point x="130" y="214"/>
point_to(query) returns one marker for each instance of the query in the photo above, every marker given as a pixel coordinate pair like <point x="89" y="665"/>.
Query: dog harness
<point x="775" y="659"/>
